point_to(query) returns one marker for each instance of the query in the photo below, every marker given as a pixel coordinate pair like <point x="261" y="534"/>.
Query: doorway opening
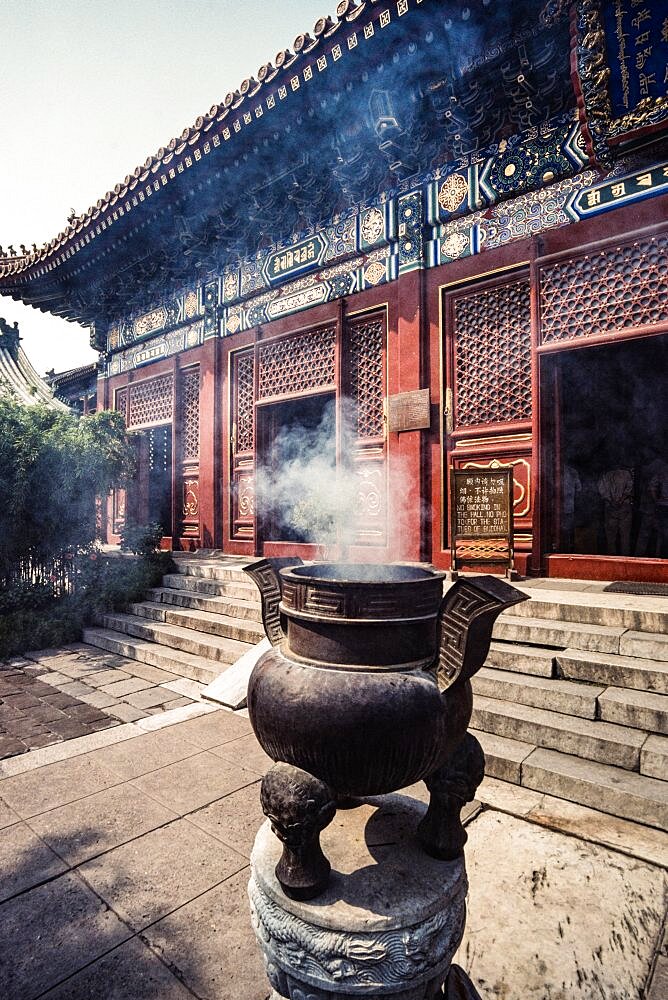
<point x="153" y="494"/>
<point x="296" y="473"/>
<point x="605" y="489"/>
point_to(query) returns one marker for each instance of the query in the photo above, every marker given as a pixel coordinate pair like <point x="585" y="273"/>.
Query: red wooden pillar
<point x="209" y="475"/>
<point x="404" y="450"/>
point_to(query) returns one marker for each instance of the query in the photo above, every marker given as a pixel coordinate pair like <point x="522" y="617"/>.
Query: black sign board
<point x="482" y="517"/>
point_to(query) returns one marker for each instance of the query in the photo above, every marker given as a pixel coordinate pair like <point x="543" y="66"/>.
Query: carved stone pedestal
<point x="388" y="923"/>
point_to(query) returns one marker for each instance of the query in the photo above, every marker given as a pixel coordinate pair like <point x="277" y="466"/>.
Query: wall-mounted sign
<point x="481" y="517"/>
<point x="637" y="43"/>
<point x="149" y="354"/>
<point x="300" y="257"/>
<point x="619" y="191"/>
<point x="409" y="411"/>
<point x="622" y="55"/>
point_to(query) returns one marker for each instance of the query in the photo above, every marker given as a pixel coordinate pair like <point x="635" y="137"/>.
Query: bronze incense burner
<point x="366" y="690"/>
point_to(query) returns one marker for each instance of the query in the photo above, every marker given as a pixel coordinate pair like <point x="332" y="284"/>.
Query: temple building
<point x="431" y="236"/>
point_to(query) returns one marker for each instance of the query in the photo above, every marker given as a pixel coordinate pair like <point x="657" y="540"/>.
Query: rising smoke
<point x="306" y="495"/>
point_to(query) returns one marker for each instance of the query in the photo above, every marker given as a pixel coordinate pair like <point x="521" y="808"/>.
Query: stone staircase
<point x="203" y="618"/>
<point x="572" y="702"/>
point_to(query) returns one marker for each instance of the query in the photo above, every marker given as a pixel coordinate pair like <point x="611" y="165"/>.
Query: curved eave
<point x="20" y="382"/>
<point x="222" y="125"/>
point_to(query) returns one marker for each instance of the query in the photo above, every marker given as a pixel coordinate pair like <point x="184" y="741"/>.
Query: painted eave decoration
<point x="361" y="111"/>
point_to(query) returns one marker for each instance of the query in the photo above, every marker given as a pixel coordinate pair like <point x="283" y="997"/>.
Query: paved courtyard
<point x="124" y="862"/>
<point x="59" y="694"/>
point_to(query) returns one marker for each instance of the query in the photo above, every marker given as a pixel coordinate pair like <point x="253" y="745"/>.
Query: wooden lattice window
<point x="297" y="364"/>
<point x="121" y="403"/>
<point x="150" y="402"/>
<point x="367" y="380"/>
<point x="614" y="289"/>
<point x="190" y="413"/>
<point x="492" y="334"/>
<point x="243" y="401"/>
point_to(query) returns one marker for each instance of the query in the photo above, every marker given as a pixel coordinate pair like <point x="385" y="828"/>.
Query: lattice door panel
<point x="366" y="339"/>
<point x="616" y="289"/>
<point x="491" y="331"/>
<point x="297" y="364"/>
<point x="190" y="415"/>
<point x="189" y="420"/>
<point x="242" y="422"/>
<point x="151" y="402"/>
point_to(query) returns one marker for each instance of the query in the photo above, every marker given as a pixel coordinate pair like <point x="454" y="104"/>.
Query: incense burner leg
<point x="440" y="831"/>
<point x="298" y="807"/>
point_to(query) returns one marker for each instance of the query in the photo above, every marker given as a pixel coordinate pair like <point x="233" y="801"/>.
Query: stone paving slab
<point x="553" y="916"/>
<point x="56" y="695"/>
<point x="194" y="782"/>
<point x="50" y="933"/>
<point x="234" y="819"/>
<point x="25" y="861"/>
<point x="148" y="752"/>
<point x="129" y="972"/>
<point x="211" y="946"/>
<point x="178" y="889"/>
<point x="148" y="878"/>
<point x="98" y="823"/>
<point x="55" y="785"/>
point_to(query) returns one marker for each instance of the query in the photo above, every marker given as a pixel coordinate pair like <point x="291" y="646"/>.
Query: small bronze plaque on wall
<point x="409" y="411"/>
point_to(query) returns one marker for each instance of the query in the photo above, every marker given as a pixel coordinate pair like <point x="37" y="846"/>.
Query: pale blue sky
<point x="90" y="88"/>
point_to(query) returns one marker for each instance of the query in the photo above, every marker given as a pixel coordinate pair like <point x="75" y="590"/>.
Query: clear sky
<point x="90" y="88"/>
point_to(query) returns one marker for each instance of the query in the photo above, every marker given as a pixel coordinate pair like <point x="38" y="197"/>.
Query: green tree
<point x="52" y="468"/>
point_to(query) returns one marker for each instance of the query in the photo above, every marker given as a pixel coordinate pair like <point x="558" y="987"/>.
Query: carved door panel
<point x="488" y="389"/>
<point x="242" y="445"/>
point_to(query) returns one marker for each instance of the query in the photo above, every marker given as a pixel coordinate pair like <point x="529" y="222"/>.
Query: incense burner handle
<point x="465" y="622"/>
<point x="266" y="577"/>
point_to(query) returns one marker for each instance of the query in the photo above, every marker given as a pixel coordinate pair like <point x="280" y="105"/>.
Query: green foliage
<point x="142" y="539"/>
<point x="53" y="468"/>
<point x="30" y="617"/>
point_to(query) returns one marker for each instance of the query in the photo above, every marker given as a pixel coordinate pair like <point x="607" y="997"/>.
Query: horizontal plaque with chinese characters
<point x="409" y="411"/>
<point x="482" y="516"/>
<point x="294" y="260"/>
<point x="619" y="191"/>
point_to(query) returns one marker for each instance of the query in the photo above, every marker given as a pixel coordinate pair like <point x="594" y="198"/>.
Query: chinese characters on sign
<point x="300" y="257"/>
<point x="482" y="516"/>
<point x="637" y="43"/>
<point x="620" y="191"/>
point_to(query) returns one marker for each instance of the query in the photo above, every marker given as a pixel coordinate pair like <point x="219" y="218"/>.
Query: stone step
<point x="600" y="786"/>
<point x="237" y="607"/>
<point x="201" y="621"/>
<point x="597" y="741"/>
<point x="628" y="611"/>
<point x="638" y="709"/>
<point x="567" y="697"/>
<point x="213" y="570"/>
<point x="521" y="659"/>
<point x="654" y="757"/>
<point x="186" y="640"/>
<point x="648" y="645"/>
<point x="244" y="589"/>
<point x="614" y="671"/>
<point x="543" y="632"/>
<point x="196" y="668"/>
<point x="503" y="757"/>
